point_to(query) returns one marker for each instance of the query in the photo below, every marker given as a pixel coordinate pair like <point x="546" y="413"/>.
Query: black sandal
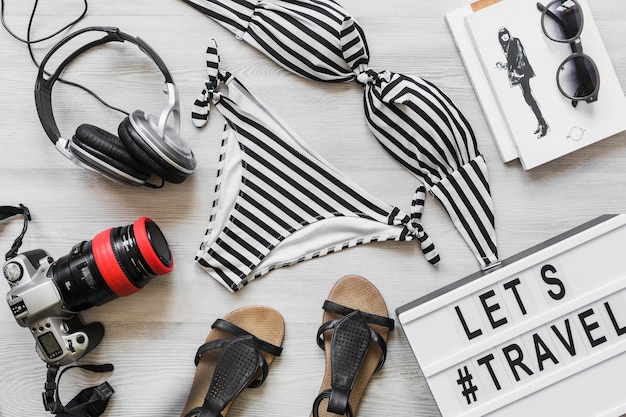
<point x="243" y="361"/>
<point x="350" y="362"/>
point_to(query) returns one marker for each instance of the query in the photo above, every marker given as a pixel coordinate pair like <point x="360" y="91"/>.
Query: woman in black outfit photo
<point x="520" y="72"/>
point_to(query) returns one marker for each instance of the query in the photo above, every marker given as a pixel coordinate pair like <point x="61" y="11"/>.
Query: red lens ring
<point x="147" y="250"/>
<point x="109" y="267"/>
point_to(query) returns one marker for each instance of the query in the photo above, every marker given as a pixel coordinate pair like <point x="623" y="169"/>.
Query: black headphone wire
<point x="29" y="43"/>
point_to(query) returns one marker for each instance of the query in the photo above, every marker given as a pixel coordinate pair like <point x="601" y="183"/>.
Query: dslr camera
<point x="47" y="295"/>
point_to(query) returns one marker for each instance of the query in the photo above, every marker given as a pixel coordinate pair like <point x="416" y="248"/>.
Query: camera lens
<point x="115" y="263"/>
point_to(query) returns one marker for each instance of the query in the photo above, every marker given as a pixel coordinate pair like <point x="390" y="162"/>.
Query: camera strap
<point x="90" y="402"/>
<point x="5" y="213"/>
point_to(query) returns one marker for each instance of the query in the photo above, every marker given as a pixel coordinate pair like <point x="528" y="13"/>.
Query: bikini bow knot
<point x="414" y="227"/>
<point x="365" y="75"/>
<point x="428" y="247"/>
<point x="201" y="107"/>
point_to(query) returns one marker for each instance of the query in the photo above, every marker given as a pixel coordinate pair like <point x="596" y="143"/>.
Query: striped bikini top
<point x="411" y="118"/>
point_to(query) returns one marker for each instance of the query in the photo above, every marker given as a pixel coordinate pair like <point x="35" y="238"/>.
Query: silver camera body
<point x="36" y="303"/>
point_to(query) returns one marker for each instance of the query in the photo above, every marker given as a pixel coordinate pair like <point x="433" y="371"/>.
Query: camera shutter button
<point x="80" y="339"/>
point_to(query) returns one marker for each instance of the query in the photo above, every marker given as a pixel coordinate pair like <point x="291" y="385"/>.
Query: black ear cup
<point x="138" y="147"/>
<point x="93" y="143"/>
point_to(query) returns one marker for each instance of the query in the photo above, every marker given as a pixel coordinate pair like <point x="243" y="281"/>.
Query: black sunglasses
<point x="577" y="77"/>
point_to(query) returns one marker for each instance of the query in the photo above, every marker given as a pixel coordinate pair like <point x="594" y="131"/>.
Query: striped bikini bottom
<point x="277" y="202"/>
<point x="413" y="119"/>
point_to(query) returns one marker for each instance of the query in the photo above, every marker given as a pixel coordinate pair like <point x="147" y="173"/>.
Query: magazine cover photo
<point x="534" y="77"/>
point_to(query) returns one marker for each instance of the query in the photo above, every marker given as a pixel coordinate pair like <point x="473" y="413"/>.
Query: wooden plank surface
<point x="152" y="336"/>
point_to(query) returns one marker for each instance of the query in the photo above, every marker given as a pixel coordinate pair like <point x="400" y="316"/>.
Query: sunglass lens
<point x="562" y="20"/>
<point x="578" y="77"/>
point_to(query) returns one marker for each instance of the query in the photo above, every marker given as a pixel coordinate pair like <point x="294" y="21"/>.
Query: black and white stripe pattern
<point x="284" y="187"/>
<point x="412" y="118"/>
<point x="421" y="127"/>
<point x="417" y="209"/>
<point x="316" y="39"/>
<point x="201" y="107"/>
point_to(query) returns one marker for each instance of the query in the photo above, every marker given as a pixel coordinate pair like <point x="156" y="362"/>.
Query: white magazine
<point x="570" y="128"/>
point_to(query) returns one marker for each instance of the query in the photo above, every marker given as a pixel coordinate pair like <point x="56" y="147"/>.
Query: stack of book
<point x="536" y="122"/>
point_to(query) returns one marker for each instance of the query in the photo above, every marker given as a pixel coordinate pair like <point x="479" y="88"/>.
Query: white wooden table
<point x="152" y="336"/>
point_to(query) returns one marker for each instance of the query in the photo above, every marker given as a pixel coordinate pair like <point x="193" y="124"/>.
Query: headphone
<point x="145" y="144"/>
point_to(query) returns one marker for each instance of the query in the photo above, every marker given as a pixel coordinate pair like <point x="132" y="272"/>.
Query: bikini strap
<point x="201" y="107"/>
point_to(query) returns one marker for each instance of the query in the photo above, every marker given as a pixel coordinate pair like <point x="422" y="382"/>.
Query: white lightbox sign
<point x="544" y="334"/>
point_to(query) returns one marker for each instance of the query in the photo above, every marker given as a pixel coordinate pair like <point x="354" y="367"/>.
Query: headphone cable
<point x="29" y="43"/>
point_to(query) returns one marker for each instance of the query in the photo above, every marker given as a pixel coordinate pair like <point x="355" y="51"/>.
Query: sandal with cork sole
<point x="237" y="353"/>
<point x="356" y="315"/>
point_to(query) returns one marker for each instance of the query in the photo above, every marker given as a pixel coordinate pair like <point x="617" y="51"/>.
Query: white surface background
<point x="152" y="336"/>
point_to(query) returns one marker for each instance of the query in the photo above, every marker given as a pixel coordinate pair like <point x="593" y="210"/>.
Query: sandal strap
<point x="349" y="345"/>
<point x="348" y="348"/>
<point x="375" y="337"/>
<point x="330" y="325"/>
<point x="221" y="344"/>
<point x="351" y="339"/>
<point x="195" y="412"/>
<point x="326" y="394"/>
<point x="370" y="318"/>
<point x="238" y="363"/>
<point x="212" y="345"/>
<point x="238" y="331"/>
